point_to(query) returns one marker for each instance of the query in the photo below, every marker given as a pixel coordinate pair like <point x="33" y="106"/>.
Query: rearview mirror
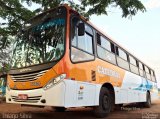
<point x="81" y="29"/>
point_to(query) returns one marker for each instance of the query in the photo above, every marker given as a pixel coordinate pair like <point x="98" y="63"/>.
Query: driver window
<point x="82" y="46"/>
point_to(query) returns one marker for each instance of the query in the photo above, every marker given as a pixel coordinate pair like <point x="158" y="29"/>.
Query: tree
<point x="128" y="7"/>
<point x="5" y="51"/>
<point x="13" y="14"/>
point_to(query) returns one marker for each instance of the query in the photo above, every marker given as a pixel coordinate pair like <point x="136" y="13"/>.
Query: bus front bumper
<point x="50" y="97"/>
<point x="67" y="93"/>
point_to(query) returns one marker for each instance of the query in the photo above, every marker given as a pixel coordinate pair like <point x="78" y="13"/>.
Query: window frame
<point x="93" y="40"/>
<point x="111" y="43"/>
<point x="141" y="69"/>
<point x="147" y="72"/>
<point x="117" y="56"/>
<point x="141" y="65"/>
<point x="117" y="52"/>
<point x="92" y="44"/>
<point x="155" y="80"/>
<point x="133" y="59"/>
<point x="104" y="38"/>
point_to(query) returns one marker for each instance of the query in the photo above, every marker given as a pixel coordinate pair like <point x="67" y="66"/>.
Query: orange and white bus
<point x="61" y="60"/>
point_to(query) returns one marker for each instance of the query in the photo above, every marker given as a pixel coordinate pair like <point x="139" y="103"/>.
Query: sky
<point x="139" y="35"/>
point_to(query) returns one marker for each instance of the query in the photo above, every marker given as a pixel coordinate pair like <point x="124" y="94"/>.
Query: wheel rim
<point x="105" y="102"/>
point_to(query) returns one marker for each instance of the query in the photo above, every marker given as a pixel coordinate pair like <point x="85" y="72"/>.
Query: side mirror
<point x="81" y="29"/>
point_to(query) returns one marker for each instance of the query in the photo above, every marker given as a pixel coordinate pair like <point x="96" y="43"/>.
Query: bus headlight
<point x="54" y="81"/>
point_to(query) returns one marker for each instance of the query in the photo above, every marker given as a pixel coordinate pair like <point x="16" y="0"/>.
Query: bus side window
<point x="153" y="76"/>
<point x="105" y="43"/>
<point x="133" y="65"/>
<point x="82" y="46"/>
<point x="104" y="49"/>
<point x="112" y="48"/>
<point x="117" y="53"/>
<point x="98" y="39"/>
<point x="150" y="74"/>
<point x="122" y="59"/>
<point x="141" y="71"/>
<point x="147" y="73"/>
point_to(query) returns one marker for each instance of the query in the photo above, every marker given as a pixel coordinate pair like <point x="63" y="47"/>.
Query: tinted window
<point x="122" y="63"/>
<point x="85" y="43"/>
<point x="112" y="48"/>
<point x="78" y="55"/>
<point x="147" y="73"/>
<point x="132" y="60"/>
<point x="153" y="76"/>
<point x="105" y="49"/>
<point x="122" y="59"/>
<point x="140" y="65"/>
<point x="105" y="44"/>
<point x="106" y="55"/>
<point x="122" y="54"/>
<point x="146" y="69"/>
<point x="82" y="46"/>
<point x="152" y="73"/>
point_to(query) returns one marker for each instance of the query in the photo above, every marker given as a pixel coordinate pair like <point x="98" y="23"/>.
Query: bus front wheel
<point x="105" y="104"/>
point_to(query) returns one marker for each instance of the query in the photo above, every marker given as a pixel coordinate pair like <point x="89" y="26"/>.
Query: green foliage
<point x="4" y="68"/>
<point x="5" y="51"/>
<point x="14" y="14"/>
<point x="128" y="7"/>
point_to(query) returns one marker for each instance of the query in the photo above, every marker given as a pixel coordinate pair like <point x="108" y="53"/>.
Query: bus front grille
<point x="33" y="99"/>
<point x="27" y="77"/>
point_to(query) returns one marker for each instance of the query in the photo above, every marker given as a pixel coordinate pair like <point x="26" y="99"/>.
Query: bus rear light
<point x="54" y="81"/>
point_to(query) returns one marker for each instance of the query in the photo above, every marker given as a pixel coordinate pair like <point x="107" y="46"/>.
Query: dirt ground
<point x="14" y="111"/>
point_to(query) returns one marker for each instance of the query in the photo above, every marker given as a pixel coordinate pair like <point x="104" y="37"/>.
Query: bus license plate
<point x="22" y="96"/>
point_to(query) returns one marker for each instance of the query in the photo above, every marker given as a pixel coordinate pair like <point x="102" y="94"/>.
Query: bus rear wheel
<point x="105" y="104"/>
<point x="148" y="100"/>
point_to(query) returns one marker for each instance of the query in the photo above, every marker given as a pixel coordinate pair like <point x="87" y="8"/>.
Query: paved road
<point x="13" y="111"/>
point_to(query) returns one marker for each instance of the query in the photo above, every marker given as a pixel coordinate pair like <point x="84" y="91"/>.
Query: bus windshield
<point x="40" y="42"/>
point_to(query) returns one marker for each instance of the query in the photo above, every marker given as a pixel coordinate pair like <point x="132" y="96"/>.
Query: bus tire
<point x="105" y="104"/>
<point x="59" y="109"/>
<point x="148" y="100"/>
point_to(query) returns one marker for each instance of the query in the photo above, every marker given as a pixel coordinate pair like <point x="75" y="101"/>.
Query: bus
<point x="62" y="60"/>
